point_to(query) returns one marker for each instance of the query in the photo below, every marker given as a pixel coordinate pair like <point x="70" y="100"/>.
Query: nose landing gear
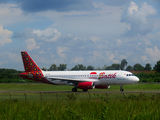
<point x="121" y="89"/>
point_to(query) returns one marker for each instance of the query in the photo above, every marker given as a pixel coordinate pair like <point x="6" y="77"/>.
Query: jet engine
<point x="86" y="85"/>
<point x="102" y="86"/>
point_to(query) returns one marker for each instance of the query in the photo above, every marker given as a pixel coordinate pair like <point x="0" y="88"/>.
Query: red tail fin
<point x="29" y="64"/>
<point x="32" y="71"/>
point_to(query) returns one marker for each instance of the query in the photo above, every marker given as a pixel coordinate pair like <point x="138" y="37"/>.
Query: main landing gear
<point x="85" y="90"/>
<point x="121" y="89"/>
<point x="75" y="90"/>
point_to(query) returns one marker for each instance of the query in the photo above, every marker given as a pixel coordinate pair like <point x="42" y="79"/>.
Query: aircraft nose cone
<point x="136" y="79"/>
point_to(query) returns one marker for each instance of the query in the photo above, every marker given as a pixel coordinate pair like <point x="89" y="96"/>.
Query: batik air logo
<point x="102" y="75"/>
<point x="109" y="76"/>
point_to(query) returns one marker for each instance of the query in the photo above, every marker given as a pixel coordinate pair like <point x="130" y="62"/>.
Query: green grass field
<point x="48" y="87"/>
<point x="78" y="106"/>
<point x="82" y="107"/>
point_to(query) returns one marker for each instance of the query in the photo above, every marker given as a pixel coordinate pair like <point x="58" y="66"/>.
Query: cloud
<point x="61" y="50"/>
<point x="10" y="14"/>
<point x="104" y="21"/>
<point x="107" y="57"/>
<point x="115" y="2"/>
<point x="26" y="33"/>
<point x="94" y="39"/>
<point x="96" y="57"/>
<point x="110" y="55"/>
<point x="50" y="33"/>
<point x="138" y="18"/>
<point x="77" y="60"/>
<point x="88" y="37"/>
<point x="56" y="5"/>
<point x="4" y="1"/>
<point x="5" y="36"/>
<point x="47" y="35"/>
<point x="118" y="42"/>
<point x="14" y="57"/>
<point x="10" y="59"/>
<point x="153" y="54"/>
<point x="144" y="58"/>
<point x="31" y="44"/>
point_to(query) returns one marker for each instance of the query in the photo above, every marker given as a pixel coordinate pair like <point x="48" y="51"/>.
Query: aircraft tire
<point x="85" y="90"/>
<point x="74" y="89"/>
<point x="121" y="90"/>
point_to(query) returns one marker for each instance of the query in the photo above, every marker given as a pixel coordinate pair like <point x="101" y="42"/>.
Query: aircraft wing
<point x="72" y="79"/>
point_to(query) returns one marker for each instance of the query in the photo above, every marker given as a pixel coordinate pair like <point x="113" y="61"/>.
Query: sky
<point x="88" y="32"/>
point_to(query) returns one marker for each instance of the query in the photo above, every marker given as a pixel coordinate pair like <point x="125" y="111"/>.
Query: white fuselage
<point x="105" y="77"/>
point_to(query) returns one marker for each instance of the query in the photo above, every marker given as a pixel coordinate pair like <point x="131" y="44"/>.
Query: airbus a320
<point x="100" y="79"/>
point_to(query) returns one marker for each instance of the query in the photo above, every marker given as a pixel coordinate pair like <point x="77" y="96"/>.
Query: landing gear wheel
<point x="74" y="89"/>
<point x="85" y="90"/>
<point x="121" y="89"/>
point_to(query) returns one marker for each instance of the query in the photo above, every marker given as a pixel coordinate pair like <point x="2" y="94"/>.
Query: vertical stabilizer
<point x="29" y="64"/>
<point x="32" y="71"/>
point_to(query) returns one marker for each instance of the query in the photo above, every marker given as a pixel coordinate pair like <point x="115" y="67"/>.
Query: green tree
<point x="114" y="66"/>
<point x="7" y="75"/>
<point x="79" y="67"/>
<point x="98" y="68"/>
<point x="148" y="67"/>
<point x="109" y="68"/>
<point x="104" y="67"/>
<point x="53" y="67"/>
<point x="123" y="64"/>
<point x="62" y="67"/>
<point x="90" y="67"/>
<point x="129" y="68"/>
<point x="157" y="66"/>
<point x="138" y="67"/>
<point x="75" y="67"/>
<point x="44" y="69"/>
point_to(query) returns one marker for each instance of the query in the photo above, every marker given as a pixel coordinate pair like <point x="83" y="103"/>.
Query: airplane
<point x="100" y="79"/>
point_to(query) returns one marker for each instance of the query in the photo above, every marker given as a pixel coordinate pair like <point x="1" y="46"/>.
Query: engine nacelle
<point x="102" y="86"/>
<point x="86" y="85"/>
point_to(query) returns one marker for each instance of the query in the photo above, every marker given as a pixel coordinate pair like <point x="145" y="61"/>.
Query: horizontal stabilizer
<point x="26" y="75"/>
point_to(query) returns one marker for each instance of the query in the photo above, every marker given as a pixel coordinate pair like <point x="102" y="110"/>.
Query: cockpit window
<point x="129" y="75"/>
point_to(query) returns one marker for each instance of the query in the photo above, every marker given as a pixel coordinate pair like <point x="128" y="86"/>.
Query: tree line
<point x="114" y="66"/>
